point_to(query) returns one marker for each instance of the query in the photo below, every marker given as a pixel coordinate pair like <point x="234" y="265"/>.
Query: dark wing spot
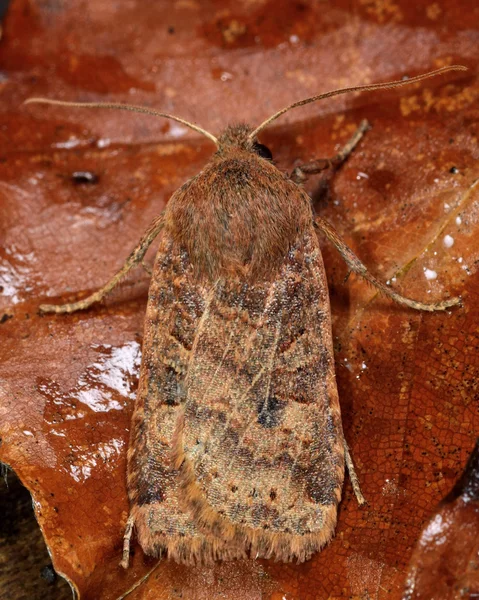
<point x="270" y="412"/>
<point x="174" y="389"/>
<point x="149" y="493"/>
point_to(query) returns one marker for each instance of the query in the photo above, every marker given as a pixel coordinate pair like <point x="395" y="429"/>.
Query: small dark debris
<point x="3" y="8"/>
<point x="4" y="318"/>
<point x="48" y="574"/>
<point x="454" y="170"/>
<point x="82" y="177"/>
<point x="171" y="30"/>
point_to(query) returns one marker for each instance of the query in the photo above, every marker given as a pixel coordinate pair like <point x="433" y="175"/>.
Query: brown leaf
<point x="445" y="561"/>
<point x="406" y="202"/>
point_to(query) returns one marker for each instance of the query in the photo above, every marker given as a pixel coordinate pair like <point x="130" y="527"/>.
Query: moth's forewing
<point x="237" y="385"/>
<point x="162" y="519"/>
<point x="261" y="438"/>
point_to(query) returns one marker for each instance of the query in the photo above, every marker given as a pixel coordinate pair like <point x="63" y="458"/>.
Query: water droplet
<point x="176" y="131"/>
<point x="448" y="241"/>
<point x="71" y="142"/>
<point x="458" y="221"/>
<point x="433" y="530"/>
<point x="104" y="143"/>
<point x="362" y="175"/>
<point x="430" y="274"/>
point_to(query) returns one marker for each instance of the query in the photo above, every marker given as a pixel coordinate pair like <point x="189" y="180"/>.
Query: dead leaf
<point x="445" y="562"/>
<point x="406" y="201"/>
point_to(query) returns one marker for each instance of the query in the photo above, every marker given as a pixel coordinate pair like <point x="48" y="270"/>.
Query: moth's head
<point x="238" y="137"/>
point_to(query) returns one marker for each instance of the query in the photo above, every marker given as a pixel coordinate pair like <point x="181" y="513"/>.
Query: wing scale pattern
<point x="239" y="412"/>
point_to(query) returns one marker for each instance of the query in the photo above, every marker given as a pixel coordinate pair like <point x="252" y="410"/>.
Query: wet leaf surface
<point x="407" y="202"/>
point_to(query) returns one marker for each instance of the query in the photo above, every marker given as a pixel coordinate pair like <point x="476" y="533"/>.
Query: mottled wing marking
<point x="176" y="305"/>
<point x="260" y="444"/>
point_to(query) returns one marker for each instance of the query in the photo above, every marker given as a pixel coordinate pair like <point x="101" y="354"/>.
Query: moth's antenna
<point x="363" y="88"/>
<point x="138" y="109"/>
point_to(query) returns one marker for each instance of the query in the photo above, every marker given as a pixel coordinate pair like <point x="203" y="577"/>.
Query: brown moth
<point x="236" y="445"/>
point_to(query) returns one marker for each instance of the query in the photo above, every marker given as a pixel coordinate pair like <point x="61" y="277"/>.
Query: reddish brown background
<point x="408" y="382"/>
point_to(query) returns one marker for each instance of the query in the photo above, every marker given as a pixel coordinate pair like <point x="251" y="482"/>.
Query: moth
<point x="236" y="445"/>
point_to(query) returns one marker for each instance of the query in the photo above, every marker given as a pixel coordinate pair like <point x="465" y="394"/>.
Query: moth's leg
<point x="357" y="266"/>
<point x="352" y="474"/>
<point x="348" y="148"/>
<point x="125" y="561"/>
<point x="147" y="268"/>
<point x="135" y="258"/>
<point x="300" y="174"/>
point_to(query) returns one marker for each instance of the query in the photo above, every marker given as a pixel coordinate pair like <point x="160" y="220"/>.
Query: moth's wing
<point x="163" y="522"/>
<point x="261" y="444"/>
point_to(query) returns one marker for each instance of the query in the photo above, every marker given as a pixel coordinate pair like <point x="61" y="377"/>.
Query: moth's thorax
<point x="240" y="215"/>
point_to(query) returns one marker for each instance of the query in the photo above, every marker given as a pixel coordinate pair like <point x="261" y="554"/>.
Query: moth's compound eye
<point x="262" y="151"/>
